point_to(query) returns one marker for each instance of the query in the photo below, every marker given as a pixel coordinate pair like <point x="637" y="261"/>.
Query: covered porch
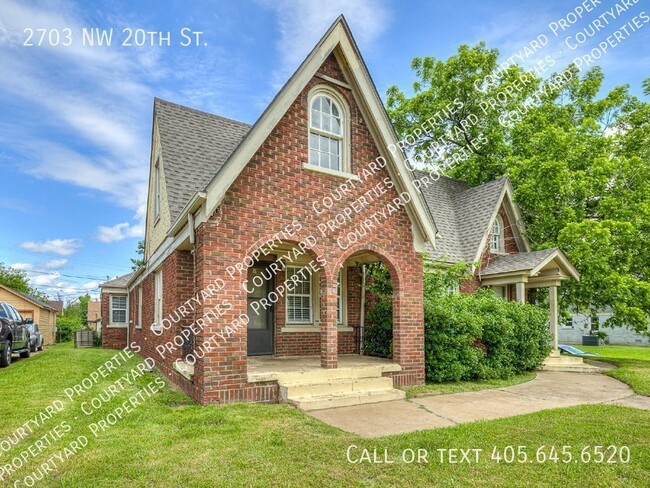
<point x="530" y="270"/>
<point x="318" y="314"/>
<point x="521" y="272"/>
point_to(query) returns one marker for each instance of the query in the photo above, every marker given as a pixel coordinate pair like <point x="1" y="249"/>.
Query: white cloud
<point x="303" y="22"/>
<point x="91" y="285"/>
<point x="46" y="280"/>
<point x="53" y="264"/>
<point x="22" y="266"/>
<point x="118" y="232"/>
<point x="62" y="247"/>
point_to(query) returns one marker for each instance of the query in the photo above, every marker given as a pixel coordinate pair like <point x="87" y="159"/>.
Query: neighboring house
<point x="285" y="213"/>
<point x="94" y="315"/>
<point x="579" y="325"/>
<point x="32" y="308"/>
<point x="114" y="312"/>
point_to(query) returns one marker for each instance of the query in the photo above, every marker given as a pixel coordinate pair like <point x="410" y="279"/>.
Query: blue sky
<point x="75" y="124"/>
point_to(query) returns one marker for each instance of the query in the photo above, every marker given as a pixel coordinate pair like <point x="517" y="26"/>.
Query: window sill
<point x="499" y="253"/>
<point x="312" y="328"/>
<point x="118" y="326"/>
<point x="330" y="172"/>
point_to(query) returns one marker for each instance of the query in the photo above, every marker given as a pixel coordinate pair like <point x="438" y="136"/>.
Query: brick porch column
<point x="328" y="330"/>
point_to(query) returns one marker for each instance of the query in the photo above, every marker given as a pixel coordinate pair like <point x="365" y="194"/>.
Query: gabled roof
<point x="463" y="214"/>
<point x="206" y="153"/>
<point x="29" y="298"/>
<point x="119" y="282"/>
<point x="529" y="263"/>
<point x="56" y="304"/>
<point x="194" y="146"/>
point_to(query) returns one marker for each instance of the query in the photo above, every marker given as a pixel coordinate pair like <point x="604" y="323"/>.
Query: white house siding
<point x="621" y="336"/>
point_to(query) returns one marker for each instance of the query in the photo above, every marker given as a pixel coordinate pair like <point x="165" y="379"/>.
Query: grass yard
<point x="633" y="364"/>
<point x="169" y="441"/>
<point x="461" y="386"/>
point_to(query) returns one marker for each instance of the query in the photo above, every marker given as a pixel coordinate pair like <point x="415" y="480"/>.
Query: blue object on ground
<point x="574" y="351"/>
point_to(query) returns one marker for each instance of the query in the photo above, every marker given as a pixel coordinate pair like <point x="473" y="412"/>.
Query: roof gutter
<point x="192" y="206"/>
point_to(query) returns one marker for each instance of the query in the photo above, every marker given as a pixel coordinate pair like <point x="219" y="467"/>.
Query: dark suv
<point x="14" y="334"/>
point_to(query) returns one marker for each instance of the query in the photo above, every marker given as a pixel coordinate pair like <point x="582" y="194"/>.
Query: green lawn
<point x="169" y="441"/>
<point x="633" y="364"/>
<point x="460" y="386"/>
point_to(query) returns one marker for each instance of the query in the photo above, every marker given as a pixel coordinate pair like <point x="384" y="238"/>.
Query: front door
<point x="260" y="318"/>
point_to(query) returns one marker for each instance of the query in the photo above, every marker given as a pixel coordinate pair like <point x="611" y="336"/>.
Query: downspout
<point x="128" y="328"/>
<point x="362" y="318"/>
<point x="190" y="224"/>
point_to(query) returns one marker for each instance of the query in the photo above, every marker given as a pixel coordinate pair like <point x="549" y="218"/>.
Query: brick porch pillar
<point x="328" y="330"/>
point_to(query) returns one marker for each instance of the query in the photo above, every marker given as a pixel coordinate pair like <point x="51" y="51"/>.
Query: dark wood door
<point x="260" y="317"/>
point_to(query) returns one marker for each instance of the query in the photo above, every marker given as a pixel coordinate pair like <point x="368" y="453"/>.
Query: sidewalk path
<point x="547" y="390"/>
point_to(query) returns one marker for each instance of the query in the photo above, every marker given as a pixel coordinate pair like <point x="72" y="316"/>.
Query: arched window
<point x="496" y="237"/>
<point x="326" y="133"/>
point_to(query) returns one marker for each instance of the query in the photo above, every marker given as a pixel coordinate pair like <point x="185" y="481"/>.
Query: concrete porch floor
<point x="272" y="368"/>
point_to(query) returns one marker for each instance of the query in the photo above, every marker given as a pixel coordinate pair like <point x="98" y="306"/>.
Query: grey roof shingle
<point x="194" y="145"/>
<point x="462" y="215"/>
<point x="119" y="282"/>
<point x="523" y="261"/>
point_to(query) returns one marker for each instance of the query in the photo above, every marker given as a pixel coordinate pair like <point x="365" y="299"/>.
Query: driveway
<point x="547" y="390"/>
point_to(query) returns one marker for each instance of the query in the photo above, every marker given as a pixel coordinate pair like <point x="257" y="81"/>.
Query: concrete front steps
<point x="568" y="364"/>
<point x="341" y="387"/>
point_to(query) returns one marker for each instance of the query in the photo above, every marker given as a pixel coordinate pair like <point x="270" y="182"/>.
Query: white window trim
<point x="138" y="325"/>
<point x="501" y="237"/>
<point x="157" y="190"/>
<point x="343" y="299"/>
<point x="158" y="298"/>
<point x="110" y="311"/>
<point x="291" y="293"/>
<point x="345" y="167"/>
<point x="314" y="326"/>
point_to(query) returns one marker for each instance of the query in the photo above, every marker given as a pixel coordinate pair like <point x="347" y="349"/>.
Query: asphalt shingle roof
<point x="31" y="298"/>
<point x="118" y="282"/>
<point x="462" y="215"/>
<point x="523" y="261"/>
<point x="195" y="145"/>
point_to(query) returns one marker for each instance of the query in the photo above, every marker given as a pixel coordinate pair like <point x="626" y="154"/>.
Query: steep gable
<point x="464" y="216"/>
<point x="338" y="41"/>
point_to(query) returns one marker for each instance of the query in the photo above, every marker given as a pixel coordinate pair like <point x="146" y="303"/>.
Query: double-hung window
<point x="118" y="309"/>
<point x="326" y="133"/>
<point x="299" y="295"/>
<point x="496" y="236"/>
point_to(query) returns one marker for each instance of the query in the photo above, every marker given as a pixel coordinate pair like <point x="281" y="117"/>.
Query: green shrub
<point x="481" y="336"/>
<point x="378" y="333"/>
<point x="66" y="327"/>
<point x="450" y="340"/>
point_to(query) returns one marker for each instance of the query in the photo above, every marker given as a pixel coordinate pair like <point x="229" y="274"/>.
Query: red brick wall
<point x="178" y="288"/>
<point x="112" y="337"/>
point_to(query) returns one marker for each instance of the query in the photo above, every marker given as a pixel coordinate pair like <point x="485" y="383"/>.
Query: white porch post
<point x="520" y="288"/>
<point x="552" y="294"/>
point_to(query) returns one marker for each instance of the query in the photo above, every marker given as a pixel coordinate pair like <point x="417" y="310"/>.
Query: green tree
<point x="579" y="161"/>
<point x="137" y="262"/>
<point x="17" y="280"/>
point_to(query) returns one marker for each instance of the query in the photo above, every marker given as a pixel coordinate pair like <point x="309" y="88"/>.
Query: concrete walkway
<point x="547" y="390"/>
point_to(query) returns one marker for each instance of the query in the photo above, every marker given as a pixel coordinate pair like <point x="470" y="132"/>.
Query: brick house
<point x="257" y="236"/>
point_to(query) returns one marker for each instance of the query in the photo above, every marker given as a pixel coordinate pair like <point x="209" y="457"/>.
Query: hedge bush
<point x="66" y="327"/>
<point x="480" y="336"/>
